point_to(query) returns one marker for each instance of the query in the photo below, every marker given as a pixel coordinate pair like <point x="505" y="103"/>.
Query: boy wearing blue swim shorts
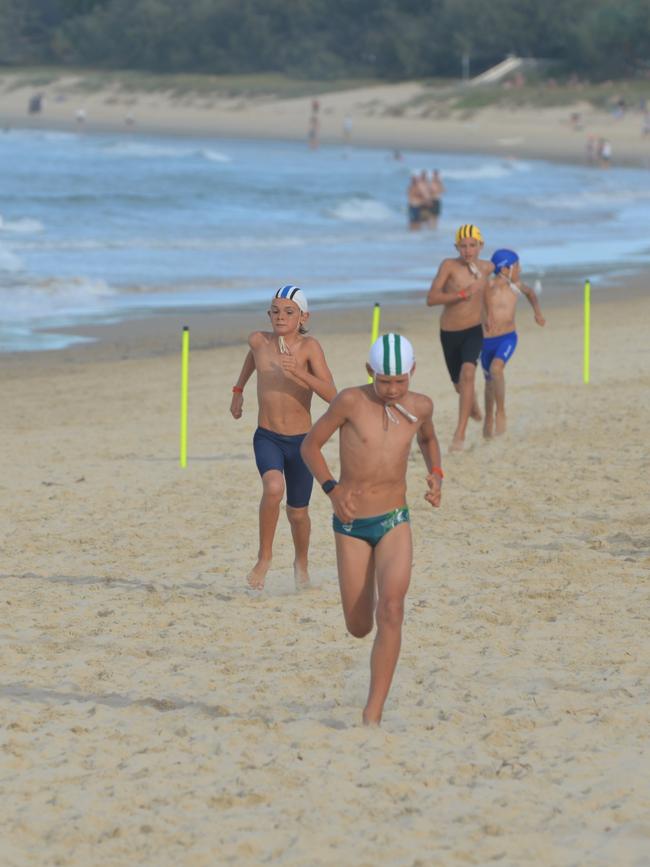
<point x="291" y="368"/>
<point x="376" y="424"/>
<point x="499" y="334"/>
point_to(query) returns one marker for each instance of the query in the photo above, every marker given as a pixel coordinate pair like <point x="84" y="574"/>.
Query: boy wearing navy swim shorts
<point x="500" y="337"/>
<point x="376" y="424"/>
<point x="291" y="368"/>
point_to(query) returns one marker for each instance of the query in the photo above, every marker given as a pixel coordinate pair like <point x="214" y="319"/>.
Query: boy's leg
<point x="300" y="530"/>
<point x="497" y="377"/>
<point x="466" y="404"/>
<point x="272" y="493"/>
<point x="488" y="424"/>
<point x="393" y="571"/>
<point x="356" y="567"/>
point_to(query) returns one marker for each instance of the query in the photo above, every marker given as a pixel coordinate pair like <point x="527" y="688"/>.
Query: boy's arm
<point x="237" y="402"/>
<point x="437" y="295"/>
<point x="312" y="455"/>
<point x="319" y="379"/>
<point x="430" y="448"/>
<point x="534" y="303"/>
<point x="322" y="430"/>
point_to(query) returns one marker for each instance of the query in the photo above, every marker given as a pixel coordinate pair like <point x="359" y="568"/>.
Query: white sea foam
<point x="143" y="150"/>
<point x="22" y="225"/>
<point x="215" y="156"/>
<point x="9" y="262"/>
<point x="485" y="171"/>
<point x="31" y="300"/>
<point x="601" y="199"/>
<point x="357" y="210"/>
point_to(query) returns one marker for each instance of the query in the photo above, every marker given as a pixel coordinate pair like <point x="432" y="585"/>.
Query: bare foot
<point x="301" y="577"/>
<point x="488" y="427"/>
<point x="457" y="445"/>
<point x="501" y="424"/>
<point x="476" y="413"/>
<point x="257" y="574"/>
<point x="370" y="719"/>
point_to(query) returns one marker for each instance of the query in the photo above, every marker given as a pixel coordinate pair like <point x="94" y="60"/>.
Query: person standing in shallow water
<point x="376" y="424"/>
<point x="291" y="368"/>
<point x="458" y="287"/>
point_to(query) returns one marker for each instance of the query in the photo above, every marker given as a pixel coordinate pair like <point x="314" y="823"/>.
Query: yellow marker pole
<point x="185" y="365"/>
<point x="585" y="364"/>
<point x="376" y="316"/>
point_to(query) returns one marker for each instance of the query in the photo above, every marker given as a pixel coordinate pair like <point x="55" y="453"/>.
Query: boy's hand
<point x="539" y="319"/>
<point x="289" y="367"/>
<point x="434" y="493"/>
<point x="236" y="405"/>
<point x="344" y="503"/>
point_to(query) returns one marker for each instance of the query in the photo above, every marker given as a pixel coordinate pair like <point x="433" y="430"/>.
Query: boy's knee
<point x="496" y="368"/>
<point x="358" y="628"/>
<point x="274" y="488"/>
<point x="390" y="612"/>
<point x="299" y="516"/>
<point x="467" y="373"/>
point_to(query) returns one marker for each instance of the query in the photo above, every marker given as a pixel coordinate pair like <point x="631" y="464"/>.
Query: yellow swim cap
<point x="469" y="231"/>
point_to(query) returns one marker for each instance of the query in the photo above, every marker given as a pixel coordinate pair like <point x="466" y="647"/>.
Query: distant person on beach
<point x="500" y="300"/>
<point x="313" y="132"/>
<point x="458" y="287"/>
<point x="376" y="424"/>
<point x="347" y="129"/>
<point x="291" y="368"/>
<point x="604" y="153"/>
<point x="35" y="104"/>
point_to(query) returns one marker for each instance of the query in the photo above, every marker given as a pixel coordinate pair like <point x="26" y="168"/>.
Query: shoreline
<point x="157" y="333"/>
<point x="389" y="116"/>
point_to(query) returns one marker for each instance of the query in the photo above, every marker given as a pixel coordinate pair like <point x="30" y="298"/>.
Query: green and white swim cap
<point x="391" y="355"/>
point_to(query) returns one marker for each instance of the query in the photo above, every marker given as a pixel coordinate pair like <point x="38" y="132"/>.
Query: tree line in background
<point x="389" y="39"/>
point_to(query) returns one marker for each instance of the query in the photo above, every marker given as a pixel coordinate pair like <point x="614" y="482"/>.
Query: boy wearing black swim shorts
<point x="291" y="368"/>
<point x="376" y="425"/>
<point x="459" y="286"/>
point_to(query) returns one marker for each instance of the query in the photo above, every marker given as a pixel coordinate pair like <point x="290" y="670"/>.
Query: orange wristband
<point x="438" y="471"/>
<point x="237" y="390"/>
<point x="462" y="294"/>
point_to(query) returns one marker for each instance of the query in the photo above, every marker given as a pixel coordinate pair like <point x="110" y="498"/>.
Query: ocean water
<point x="102" y="228"/>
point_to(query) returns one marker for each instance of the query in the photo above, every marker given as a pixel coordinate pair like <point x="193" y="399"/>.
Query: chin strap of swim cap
<point x="398" y="406"/>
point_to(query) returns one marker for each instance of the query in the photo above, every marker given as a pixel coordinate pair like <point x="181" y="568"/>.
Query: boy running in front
<point x="290" y="367"/>
<point x="376" y="425"/>
<point x="459" y="286"/>
<point x="500" y="340"/>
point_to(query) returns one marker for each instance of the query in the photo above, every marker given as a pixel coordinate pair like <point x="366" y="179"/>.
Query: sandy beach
<point x="393" y="116"/>
<point x="153" y="713"/>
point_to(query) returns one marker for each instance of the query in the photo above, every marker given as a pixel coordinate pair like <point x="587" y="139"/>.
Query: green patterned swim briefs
<point x="372" y="530"/>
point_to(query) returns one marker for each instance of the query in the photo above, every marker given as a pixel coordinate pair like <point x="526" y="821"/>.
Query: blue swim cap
<point x="503" y="259"/>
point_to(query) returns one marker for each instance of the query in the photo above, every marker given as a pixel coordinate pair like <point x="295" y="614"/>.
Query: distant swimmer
<point x="500" y="341"/>
<point x="291" y="368"/>
<point x="459" y="286"/>
<point x="376" y="425"/>
<point x="436" y="190"/>
<point x="417" y="200"/>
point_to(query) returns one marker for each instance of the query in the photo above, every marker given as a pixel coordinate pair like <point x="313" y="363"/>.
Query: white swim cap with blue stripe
<point x="391" y="355"/>
<point x="295" y="294"/>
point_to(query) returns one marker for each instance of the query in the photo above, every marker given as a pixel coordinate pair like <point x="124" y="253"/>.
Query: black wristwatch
<point x="329" y="485"/>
